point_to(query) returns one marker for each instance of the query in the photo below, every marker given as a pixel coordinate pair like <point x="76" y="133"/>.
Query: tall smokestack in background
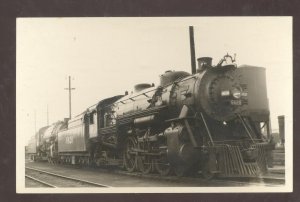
<point x="192" y="46"/>
<point x="281" y="129"/>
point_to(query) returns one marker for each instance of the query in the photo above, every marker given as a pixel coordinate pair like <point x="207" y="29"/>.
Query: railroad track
<point x="197" y="180"/>
<point x="39" y="183"/>
<point x="255" y="180"/>
<point x="54" y="180"/>
<point x="247" y="181"/>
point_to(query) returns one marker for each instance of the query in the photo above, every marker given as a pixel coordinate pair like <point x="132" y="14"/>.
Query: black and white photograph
<point x="154" y="104"/>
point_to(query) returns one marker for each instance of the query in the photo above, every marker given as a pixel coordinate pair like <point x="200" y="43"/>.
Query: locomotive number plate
<point x="236" y="102"/>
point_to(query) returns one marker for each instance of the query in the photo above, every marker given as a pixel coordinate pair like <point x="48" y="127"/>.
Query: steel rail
<point x="40" y="181"/>
<point x="69" y="178"/>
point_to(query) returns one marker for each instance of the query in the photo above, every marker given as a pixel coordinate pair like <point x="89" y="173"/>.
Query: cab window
<point x="91" y="116"/>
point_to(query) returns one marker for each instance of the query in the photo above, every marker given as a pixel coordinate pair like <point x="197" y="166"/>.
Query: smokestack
<point x="192" y="46"/>
<point x="281" y="128"/>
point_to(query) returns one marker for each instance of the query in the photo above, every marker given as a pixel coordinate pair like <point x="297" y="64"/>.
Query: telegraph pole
<point x="38" y="136"/>
<point x="34" y="121"/>
<point x="70" y="89"/>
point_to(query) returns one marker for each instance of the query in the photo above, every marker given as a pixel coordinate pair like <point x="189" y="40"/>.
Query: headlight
<point x="225" y="93"/>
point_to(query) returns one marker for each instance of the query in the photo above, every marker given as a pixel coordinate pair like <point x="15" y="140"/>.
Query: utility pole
<point x="36" y="136"/>
<point x="34" y="121"/>
<point x="70" y="89"/>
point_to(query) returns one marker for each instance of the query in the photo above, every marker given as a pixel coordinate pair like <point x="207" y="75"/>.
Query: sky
<point x="107" y="56"/>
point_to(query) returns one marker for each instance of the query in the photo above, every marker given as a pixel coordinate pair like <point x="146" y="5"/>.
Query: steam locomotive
<point x="209" y="122"/>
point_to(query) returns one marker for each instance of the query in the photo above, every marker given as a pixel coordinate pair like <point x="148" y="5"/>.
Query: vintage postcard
<point x="148" y="105"/>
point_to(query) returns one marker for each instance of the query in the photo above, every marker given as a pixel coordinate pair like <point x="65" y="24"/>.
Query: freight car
<point x="209" y="121"/>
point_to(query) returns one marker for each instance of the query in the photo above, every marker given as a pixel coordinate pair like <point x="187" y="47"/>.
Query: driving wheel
<point x="129" y="155"/>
